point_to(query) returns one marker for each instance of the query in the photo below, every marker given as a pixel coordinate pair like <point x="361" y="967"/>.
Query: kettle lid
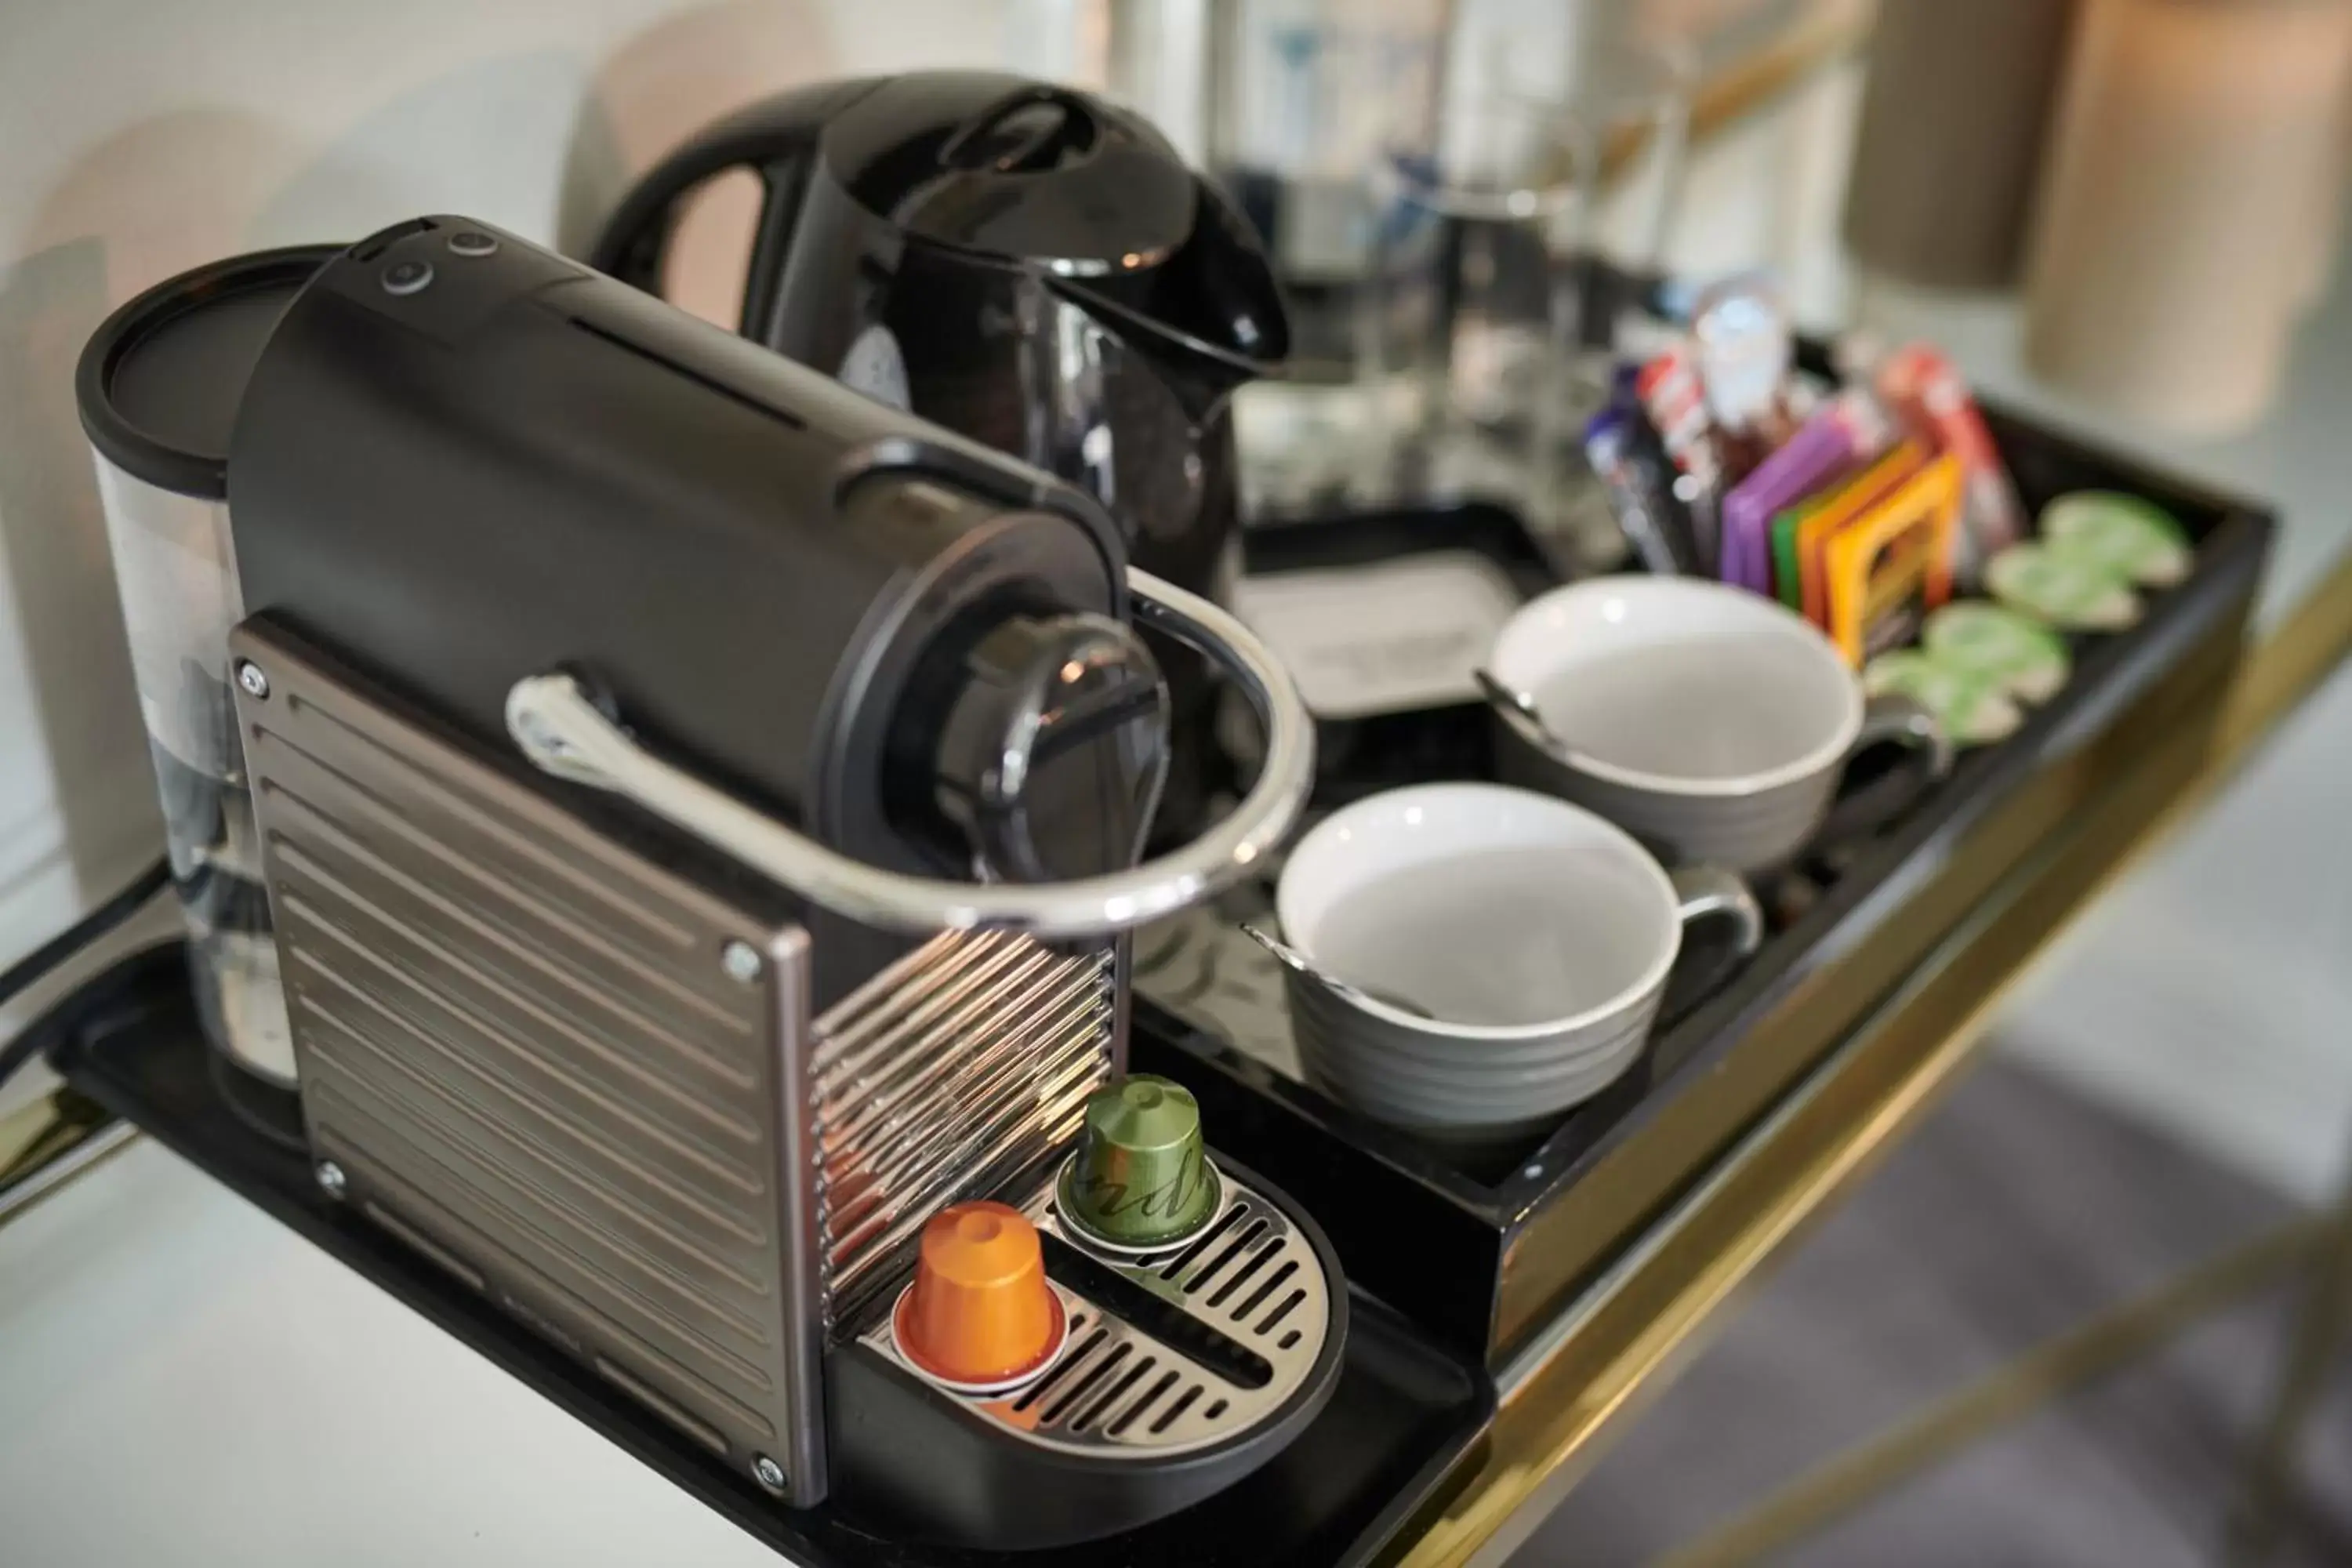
<point x="1015" y="168"/>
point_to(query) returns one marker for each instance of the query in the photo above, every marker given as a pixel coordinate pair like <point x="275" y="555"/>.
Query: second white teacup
<point x="1515" y="949"/>
<point x="1712" y="723"/>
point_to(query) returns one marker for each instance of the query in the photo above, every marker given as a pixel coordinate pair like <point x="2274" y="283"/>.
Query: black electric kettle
<point x="1025" y="264"/>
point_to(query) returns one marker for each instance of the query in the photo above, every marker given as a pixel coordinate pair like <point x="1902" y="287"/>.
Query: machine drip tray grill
<point x="1168" y="1351"/>
<point x="1380" y="1457"/>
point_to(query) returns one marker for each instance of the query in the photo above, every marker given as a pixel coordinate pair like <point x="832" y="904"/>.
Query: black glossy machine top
<point x="463" y="460"/>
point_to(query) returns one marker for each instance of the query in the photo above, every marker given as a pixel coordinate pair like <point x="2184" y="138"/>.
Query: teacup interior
<point x="1512" y="917"/>
<point x="1682" y="681"/>
<point x="1724" y="708"/>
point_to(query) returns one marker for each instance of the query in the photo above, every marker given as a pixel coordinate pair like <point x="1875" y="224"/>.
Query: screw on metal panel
<point x="332" y="1180"/>
<point x="742" y="961"/>
<point x="767" y="1472"/>
<point x="249" y="675"/>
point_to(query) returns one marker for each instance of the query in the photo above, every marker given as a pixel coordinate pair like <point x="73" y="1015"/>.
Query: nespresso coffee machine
<point x="701" y="810"/>
<point x="1026" y="264"/>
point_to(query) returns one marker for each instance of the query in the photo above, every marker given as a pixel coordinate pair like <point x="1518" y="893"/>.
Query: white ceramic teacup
<point x="1711" y="722"/>
<point x="1536" y="938"/>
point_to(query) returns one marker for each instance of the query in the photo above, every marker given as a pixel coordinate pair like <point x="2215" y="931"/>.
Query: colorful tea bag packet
<point x="1923" y="389"/>
<point x="1891" y="563"/>
<point x="1830" y="513"/>
<point x="1787" y="565"/>
<point x="1847" y="431"/>
<point x="1672" y="399"/>
<point x="1636" y="475"/>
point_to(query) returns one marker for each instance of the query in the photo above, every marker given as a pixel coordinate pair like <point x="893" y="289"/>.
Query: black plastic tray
<point x="1433" y="1228"/>
<point x="1357" y="757"/>
<point x="1374" y="1463"/>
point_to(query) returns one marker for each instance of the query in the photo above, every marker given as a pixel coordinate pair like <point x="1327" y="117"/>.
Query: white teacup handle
<point x="1704" y="893"/>
<point x="1891" y="719"/>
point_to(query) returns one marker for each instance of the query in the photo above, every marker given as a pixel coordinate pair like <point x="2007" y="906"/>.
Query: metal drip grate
<point x="951" y="1069"/>
<point x="1202" y="1341"/>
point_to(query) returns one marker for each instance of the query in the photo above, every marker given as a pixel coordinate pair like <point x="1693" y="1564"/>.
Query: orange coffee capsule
<point x="979" y="1312"/>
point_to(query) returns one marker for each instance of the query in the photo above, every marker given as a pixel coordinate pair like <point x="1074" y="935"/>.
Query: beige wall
<point x="141" y="137"/>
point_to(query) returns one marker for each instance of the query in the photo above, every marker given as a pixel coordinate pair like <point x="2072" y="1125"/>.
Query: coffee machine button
<point x="407" y="277"/>
<point x="472" y="242"/>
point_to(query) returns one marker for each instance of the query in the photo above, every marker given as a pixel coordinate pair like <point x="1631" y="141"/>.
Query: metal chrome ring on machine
<point x="564" y="733"/>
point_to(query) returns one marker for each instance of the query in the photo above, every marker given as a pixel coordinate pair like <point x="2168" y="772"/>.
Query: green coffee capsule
<point x="1141" y="1175"/>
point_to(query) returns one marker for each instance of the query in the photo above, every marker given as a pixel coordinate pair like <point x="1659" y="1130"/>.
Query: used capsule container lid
<point x="160" y="380"/>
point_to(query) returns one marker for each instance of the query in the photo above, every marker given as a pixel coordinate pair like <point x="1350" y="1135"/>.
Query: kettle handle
<point x="561" y="729"/>
<point x="776" y="139"/>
